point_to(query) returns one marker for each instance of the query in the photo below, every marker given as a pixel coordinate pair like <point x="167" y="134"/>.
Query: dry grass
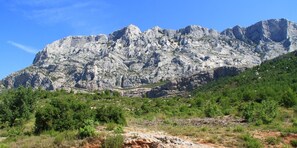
<point x="211" y="135"/>
<point x="33" y="142"/>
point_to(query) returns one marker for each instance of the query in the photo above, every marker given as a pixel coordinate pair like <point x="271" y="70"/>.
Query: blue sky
<point x="28" y="25"/>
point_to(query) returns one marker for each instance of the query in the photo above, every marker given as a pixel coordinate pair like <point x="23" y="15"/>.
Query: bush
<point x="260" y="113"/>
<point x="294" y="122"/>
<point x="14" y="131"/>
<point x="110" y="126"/>
<point x="62" y="114"/>
<point x="17" y="105"/>
<point x="118" y="129"/>
<point x="293" y="142"/>
<point x="250" y="142"/>
<point x="86" y="131"/>
<point x="64" y="136"/>
<point x="59" y="139"/>
<point x="115" y="141"/>
<point x="212" y="110"/>
<point x="110" y="114"/>
<point x="272" y="140"/>
<point x="289" y="98"/>
<point x="238" y="129"/>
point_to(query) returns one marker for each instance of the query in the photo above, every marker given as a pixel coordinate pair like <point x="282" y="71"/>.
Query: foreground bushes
<point x="62" y="114"/>
<point x="263" y="112"/>
<point x="69" y="114"/>
<point x="107" y="114"/>
<point x="17" y="105"/>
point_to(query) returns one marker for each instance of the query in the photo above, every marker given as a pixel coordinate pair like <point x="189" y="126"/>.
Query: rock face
<point x="129" y="58"/>
<point x="181" y="86"/>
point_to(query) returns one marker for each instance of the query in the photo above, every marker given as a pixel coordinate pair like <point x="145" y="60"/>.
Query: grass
<point x="113" y="141"/>
<point x="250" y="141"/>
<point x="32" y="141"/>
<point x="218" y="135"/>
<point x="272" y="140"/>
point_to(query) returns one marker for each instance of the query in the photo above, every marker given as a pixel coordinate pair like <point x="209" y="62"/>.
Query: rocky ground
<point x="143" y="138"/>
<point x="135" y="137"/>
<point x="138" y="136"/>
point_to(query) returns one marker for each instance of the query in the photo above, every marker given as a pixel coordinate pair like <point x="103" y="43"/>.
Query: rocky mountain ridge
<point x="129" y="58"/>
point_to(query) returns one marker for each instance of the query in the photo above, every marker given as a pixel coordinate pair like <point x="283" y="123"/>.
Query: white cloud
<point x="23" y="47"/>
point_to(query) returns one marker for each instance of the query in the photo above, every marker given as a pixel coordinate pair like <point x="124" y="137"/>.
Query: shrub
<point x="118" y="129"/>
<point x="250" y="142"/>
<point x="293" y="142"/>
<point x="145" y="108"/>
<point x="115" y="141"/>
<point x="115" y="127"/>
<point x="110" y="126"/>
<point x="197" y="102"/>
<point x="272" y="140"/>
<point x="14" y="131"/>
<point x="212" y="110"/>
<point x="295" y="123"/>
<point x="59" y="139"/>
<point x="86" y="131"/>
<point x="64" y="136"/>
<point x="260" y="113"/>
<point x="289" y="98"/>
<point x="17" y="105"/>
<point x="62" y="114"/>
<point x="238" y="129"/>
<point x="107" y="114"/>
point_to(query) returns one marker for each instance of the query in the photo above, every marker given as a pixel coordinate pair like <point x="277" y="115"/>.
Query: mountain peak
<point x="132" y="29"/>
<point x="129" y="32"/>
<point x="272" y="30"/>
<point x="268" y="30"/>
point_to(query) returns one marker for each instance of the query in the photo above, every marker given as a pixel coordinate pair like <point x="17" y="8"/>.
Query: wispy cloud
<point x="23" y="47"/>
<point x="80" y="15"/>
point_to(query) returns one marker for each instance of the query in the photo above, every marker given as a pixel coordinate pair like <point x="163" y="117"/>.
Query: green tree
<point x="289" y="98"/>
<point x="62" y="114"/>
<point x="17" y="105"/>
<point x="108" y="114"/>
<point x="264" y="112"/>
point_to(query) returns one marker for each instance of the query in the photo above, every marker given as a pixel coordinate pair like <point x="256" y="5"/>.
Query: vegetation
<point x="272" y="80"/>
<point x="113" y="141"/>
<point x="264" y="96"/>
<point x="87" y="130"/>
<point x="259" y="113"/>
<point x="250" y="142"/>
<point x="112" y="114"/>
<point x="62" y="114"/>
<point x="294" y="142"/>
<point x="16" y="106"/>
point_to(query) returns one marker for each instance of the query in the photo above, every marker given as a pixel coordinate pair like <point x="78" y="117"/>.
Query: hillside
<point x="274" y="79"/>
<point x="129" y="58"/>
<point x="256" y="108"/>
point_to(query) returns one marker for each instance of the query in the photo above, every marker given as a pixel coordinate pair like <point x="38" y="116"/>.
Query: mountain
<point x="132" y="59"/>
